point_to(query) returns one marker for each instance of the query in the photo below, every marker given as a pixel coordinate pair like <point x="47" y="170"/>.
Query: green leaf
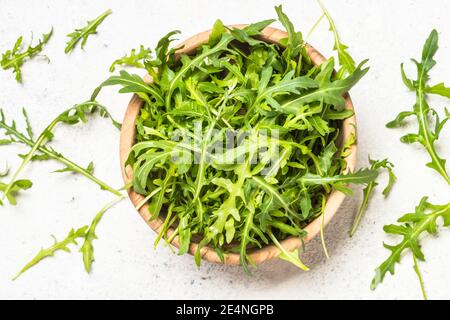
<point x="39" y="151"/>
<point x="410" y="227"/>
<point x="134" y="59"/>
<point x="216" y="32"/>
<point x="345" y="60"/>
<point x="132" y="83"/>
<point x="11" y="191"/>
<point x="363" y="176"/>
<point x="439" y="89"/>
<point x="376" y="165"/>
<point x="422" y="111"/>
<point x="292" y="257"/>
<point x="82" y="34"/>
<point x="89" y="236"/>
<point x="57" y="246"/>
<point x="16" y="57"/>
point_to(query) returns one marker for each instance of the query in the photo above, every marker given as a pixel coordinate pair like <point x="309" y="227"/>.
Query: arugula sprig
<point x="427" y="135"/>
<point x="87" y="249"/>
<point x="85" y="233"/>
<point x="375" y="165"/>
<point x="134" y="59"/>
<point x="410" y="227"/>
<point x="16" y="57"/>
<point x="82" y="34"/>
<point x="71" y="238"/>
<point x="39" y="150"/>
<point x="345" y="60"/>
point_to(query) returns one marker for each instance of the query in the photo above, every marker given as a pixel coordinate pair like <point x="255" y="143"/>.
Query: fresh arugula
<point x="88" y="248"/>
<point x="11" y="190"/>
<point x="39" y="150"/>
<point x="267" y="102"/>
<point x="85" y="233"/>
<point x="346" y="61"/>
<point x="410" y="227"/>
<point x="428" y="134"/>
<point x="134" y="59"/>
<point x="57" y="246"/>
<point x="16" y="57"/>
<point x="376" y="165"/>
<point x="82" y="34"/>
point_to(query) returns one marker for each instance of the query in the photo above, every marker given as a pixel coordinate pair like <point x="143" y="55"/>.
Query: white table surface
<point x="126" y="266"/>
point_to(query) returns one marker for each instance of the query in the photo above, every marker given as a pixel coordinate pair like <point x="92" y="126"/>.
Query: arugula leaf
<point x="5" y="172"/>
<point x="73" y="115"/>
<point x="57" y="246"/>
<point x="411" y="226"/>
<point x="134" y="59"/>
<point x="16" y="57"/>
<point x="291" y="257"/>
<point x="329" y="91"/>
<point x="132" y="83"/>
<point x="82" y="34"/>
<point x="368" y="190"/>
<point x="87" y="248"/>
<point x="439" y="89"/>
<point x="362" y="176"/>
<point x="89" y="169"/>
<point x="345" y="60"/>
<point x="426" y="136"/>
<point x="10" y="191"/>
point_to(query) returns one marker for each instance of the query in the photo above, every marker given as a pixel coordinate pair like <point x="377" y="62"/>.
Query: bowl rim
<point x="268" y="252"/>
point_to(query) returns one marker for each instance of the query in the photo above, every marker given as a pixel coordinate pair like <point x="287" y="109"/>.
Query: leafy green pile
<point x="279" y="116"/>
<point x="428" y="131"/>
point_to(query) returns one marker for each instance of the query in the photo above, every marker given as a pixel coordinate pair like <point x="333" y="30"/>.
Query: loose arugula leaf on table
<point x="428" y="134"/>
<point x="57" y="246"/>
<point x="16" y="57"/>
<point x="410" y="227"/>
<point x="82" y="34"/>
<point x="134" y="59"/>
<point x="87" y="248"/>
<point x="87" y="233"/>
<point x="74" y="115"/>
<point x="376" y="165"/>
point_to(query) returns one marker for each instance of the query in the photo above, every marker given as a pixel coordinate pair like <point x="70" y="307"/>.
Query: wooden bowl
<point x="335" y="199"/>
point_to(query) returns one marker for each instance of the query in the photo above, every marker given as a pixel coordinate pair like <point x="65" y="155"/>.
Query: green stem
<point x="40" y="141"/>
<point x="419" y="275"/>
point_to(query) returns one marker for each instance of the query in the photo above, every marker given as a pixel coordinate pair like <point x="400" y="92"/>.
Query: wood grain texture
<point x="335" y="199"/>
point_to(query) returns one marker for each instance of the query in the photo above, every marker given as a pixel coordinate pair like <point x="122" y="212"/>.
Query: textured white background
<point x="387" y="32"/>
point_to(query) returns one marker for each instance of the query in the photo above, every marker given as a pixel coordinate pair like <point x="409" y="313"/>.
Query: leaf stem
<point x="419" y="275"/>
